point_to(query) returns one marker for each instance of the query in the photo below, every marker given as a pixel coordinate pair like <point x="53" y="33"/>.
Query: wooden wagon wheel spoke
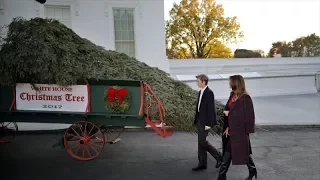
<point x="90" y="130"/>
<point x="82" y="151"/>
<point x="82" y="134"/>
<point x="94" y="134"/>
<point x="72" y="135"/>
<point x="75" y="146"/>
<point x="96" y="145"/>
<point x="113" y="133"/>
<point x="2" y="124"/>
<point x="7" y="124"/>
<point x="88" y="151"/>
<point x="85" y="127"/>
<point x="75" y="131"/>
<point x="93" y="148"/>
<point x="88" y="148"/>
<point x="78" y="149"/>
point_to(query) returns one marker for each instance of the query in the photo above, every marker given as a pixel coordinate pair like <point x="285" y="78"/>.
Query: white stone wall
<point x="238" y="65"/>
<point x="265" y="86"/>
<point x="93" y="19"/>
<point x="264" y="76"/>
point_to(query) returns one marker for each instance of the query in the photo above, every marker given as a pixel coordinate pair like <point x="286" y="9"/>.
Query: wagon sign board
<point x="51" y="97"/>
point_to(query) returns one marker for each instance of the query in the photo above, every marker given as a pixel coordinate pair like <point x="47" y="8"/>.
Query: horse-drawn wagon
<point x="93" y="107"/>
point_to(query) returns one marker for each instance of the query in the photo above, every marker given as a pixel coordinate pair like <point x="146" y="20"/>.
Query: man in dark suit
<point x="205" y="119"/>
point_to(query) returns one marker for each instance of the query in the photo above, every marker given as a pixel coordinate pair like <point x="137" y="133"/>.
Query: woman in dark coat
<point x="239" y="122"/>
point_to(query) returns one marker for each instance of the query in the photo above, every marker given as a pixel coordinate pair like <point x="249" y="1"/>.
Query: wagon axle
<point x="85" y="140"/>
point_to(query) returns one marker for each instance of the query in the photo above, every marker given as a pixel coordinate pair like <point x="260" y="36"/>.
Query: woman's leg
<point x="226" y="160"/>
<point x="251" y="166"/>
<point x="252" y="169"/>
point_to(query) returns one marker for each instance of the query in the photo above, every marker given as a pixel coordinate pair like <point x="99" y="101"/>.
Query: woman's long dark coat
<point x="241" y="122"/>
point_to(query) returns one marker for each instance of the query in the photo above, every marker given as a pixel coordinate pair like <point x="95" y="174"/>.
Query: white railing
<point x="318" y="81"/>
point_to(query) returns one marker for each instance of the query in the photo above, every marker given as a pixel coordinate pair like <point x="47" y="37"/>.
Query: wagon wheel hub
<point x="81" y="141"/>
<point x="85" y="140"/>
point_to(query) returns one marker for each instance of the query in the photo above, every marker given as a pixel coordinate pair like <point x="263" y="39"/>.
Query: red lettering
<point x="70" y="97"/>
<point x="39" y="97"/>
<point x="22" y="96"/>
<point x="51" y="88"/>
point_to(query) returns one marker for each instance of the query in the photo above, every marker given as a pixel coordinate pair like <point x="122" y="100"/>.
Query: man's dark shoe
<point x="199" y="168"/>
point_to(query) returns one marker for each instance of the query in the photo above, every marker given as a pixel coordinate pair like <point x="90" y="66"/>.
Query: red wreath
<point x="119" y="93"/>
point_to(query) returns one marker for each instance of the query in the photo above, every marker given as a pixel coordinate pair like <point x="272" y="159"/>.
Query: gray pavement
<point x="279" y="154"/>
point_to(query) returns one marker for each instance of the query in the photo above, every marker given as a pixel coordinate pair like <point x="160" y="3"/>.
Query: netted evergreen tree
<point x="45" y="51"/>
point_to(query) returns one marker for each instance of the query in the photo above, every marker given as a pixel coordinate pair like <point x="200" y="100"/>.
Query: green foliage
<point x="199" y="29"/>
<point x="244" y="53"/>
<point x="115" y="106"/>
<point x="45" y="51"/>
<point x="305" y="46"/>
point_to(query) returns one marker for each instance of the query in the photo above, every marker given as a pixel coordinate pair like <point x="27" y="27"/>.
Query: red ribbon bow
<point x="113" y="93"/>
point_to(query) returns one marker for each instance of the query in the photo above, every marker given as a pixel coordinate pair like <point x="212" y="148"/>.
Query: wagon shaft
<point x="164" y="130"/>
<point x="97" y="109"/>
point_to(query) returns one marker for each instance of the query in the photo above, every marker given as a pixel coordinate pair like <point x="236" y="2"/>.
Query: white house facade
<point x="134" y="27"/>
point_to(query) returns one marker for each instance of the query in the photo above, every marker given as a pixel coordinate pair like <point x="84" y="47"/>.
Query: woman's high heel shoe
<point x="252" y="169"/>
<point x="252" y="173"/>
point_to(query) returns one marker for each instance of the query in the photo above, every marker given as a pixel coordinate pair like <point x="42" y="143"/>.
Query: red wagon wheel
<point x="8" y="131"/>
<point x="84" y="140"/>
<point x="112" y="132"/>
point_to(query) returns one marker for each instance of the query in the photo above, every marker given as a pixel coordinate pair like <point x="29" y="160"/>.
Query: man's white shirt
<point x="200" y="98"/>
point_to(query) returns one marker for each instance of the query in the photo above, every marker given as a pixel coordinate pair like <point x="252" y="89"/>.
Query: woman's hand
<point x="226" y="113"/>
<point x="226" y="132"/>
